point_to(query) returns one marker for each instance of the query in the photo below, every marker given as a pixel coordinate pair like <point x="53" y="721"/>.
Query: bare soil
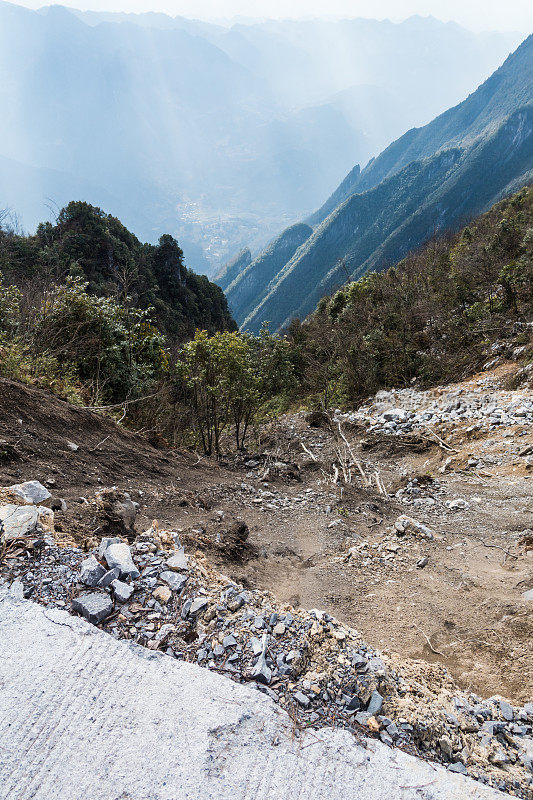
<point x="464" y="610"/>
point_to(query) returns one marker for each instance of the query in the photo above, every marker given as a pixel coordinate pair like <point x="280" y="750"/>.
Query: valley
<point x="248" y="126"/>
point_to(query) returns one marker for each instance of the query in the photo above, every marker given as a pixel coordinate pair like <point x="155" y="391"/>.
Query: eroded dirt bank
<point x="465" y="475"/>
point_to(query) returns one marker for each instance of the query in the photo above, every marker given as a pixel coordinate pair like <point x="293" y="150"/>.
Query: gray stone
<point x="32" y="493"/>
<point x="358" y="661"/>
<point x="506" y="710"/>
<point x="493" y="726"/>
<point x="352" y="703"/>
<point x="174" y="580"/>
<point x="91" y="572"/>
<point x="394" y="414"/>
<point x="177" y="561"/>
<point x="256" y="645"/>
<point x="17" y="522"/>
<point x="235" y="603"/>
<point x="302" y="699"/>
<point x="458" y="767"/>
<point x="197" y="605"/>
<point x="122" y="591"/>
<point x="119" y="555"/>
<point x="95" y="607"/>
<point x="375" y="704"/>
<point x="104" y="544"/>
<point x="108" y="578"/>
<point x="292" y="655"/>
<point x="261" y="671"/>
<point x="528" y="596"/>
<point x="229" y="641"/>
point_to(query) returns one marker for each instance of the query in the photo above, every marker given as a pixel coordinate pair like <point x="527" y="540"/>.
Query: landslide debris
<point x="321" y="671"/>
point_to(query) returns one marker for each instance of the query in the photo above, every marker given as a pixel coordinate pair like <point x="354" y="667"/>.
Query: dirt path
<point x="326" y="545"/>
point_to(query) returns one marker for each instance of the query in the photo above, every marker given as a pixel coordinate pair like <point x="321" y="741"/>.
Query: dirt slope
<point x="323" y="544"/>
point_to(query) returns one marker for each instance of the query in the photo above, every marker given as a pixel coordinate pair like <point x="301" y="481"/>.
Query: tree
<point x="228" y="377"/>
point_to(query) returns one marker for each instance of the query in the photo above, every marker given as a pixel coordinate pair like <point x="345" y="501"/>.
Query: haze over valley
<point x="219" y="135"/>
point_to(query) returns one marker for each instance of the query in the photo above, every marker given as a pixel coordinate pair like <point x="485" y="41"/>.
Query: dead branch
<point x="428" y="640"/>
<point x="441" y="442"/>
<point x="309" y="453"/>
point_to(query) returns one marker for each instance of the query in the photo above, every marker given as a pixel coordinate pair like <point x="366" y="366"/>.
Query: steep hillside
<point x="442" y="312"/>
<point x="230" y="271"/>
<point x="431" y="179"/>
<point x="249" y="285"/>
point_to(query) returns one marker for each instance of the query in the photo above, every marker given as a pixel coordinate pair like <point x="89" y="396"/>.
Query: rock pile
<point x="319" y="670"/>
<point x="483" y="406"/>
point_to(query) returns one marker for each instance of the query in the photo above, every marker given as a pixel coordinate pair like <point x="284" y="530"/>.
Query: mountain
<point x="222" y="136"/>
<point x="86" y="242"/>
<point x="433" y="178"/>
<point x="248" y="286"/>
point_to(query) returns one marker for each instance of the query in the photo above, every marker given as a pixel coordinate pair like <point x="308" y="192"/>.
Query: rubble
<point x="319" y="670"/>
<point x="484" y="405"/>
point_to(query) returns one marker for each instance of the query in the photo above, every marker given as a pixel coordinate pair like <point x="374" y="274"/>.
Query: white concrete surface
<point x="86" y="717"/>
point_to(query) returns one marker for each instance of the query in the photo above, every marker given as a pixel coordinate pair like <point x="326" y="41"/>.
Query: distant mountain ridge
<point x="432" y="178"/>
<point x="221" y="136"/>
<point x="252" y="283"/>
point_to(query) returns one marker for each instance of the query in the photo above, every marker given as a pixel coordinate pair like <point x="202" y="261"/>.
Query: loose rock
<point x="94" y="607"/>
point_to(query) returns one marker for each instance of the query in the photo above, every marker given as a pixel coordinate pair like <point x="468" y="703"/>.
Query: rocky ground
<point x="408" y="523"/>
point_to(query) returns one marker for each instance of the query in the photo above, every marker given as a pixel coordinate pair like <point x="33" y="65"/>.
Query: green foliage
<point x="85" y="242"/>
<point x="70" y="338"/>
<point x="113" y="348"/>
<point x="9" y="307"/>
<point x="227" y="378"/>
<point x="430" y="317"/>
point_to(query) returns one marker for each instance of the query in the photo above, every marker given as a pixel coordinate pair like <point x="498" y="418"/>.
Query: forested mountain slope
<point x="432" y="179"/>
<point x="433" y="317"/>
<point x="86" y="242"/>
<point x="250" y="284"/>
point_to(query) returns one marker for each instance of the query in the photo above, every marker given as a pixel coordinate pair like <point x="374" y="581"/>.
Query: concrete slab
<point x="83" y="715"/>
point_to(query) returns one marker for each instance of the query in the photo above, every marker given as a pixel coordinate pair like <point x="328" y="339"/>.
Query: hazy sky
<point x="476" y="14"/>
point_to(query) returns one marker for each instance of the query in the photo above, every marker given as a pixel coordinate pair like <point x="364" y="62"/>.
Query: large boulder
<point x="17" y="522"/>
<point x="31" y="493"/>
<point x="22" y="521"/>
